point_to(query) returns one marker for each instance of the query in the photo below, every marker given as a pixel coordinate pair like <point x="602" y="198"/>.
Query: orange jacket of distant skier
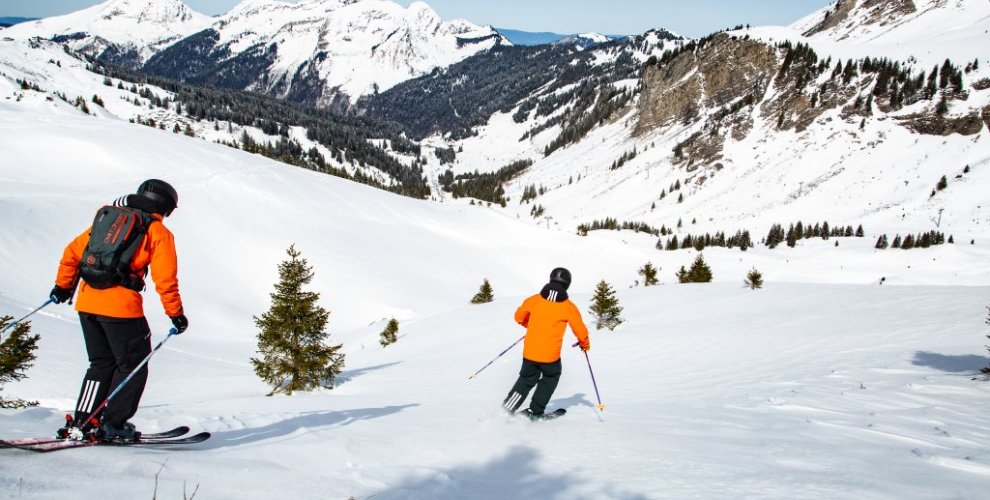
<point x="545" y="322"/>
<point x="157" y="250"/>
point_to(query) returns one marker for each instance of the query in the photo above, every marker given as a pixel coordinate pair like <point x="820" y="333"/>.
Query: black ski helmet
<point x="161" y="194"/>
<point x="562" y="276"/>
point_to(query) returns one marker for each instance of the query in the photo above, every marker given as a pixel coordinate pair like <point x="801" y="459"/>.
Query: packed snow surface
<point x="801" y="390"/>
<point x="823" y="384"/>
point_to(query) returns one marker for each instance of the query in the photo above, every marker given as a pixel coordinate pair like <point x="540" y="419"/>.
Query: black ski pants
<point x="544" y="376"/>
<point x="116" y="346"/>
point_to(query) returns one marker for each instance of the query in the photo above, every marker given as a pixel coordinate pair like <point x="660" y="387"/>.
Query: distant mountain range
<point x="319" y="52"/>
<point x="10" y="21"/>
<point x="518" y="37"/>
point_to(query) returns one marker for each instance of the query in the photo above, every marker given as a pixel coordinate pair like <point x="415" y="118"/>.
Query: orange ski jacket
<point x="157" y="249"/>
<point x="545" y="322"/>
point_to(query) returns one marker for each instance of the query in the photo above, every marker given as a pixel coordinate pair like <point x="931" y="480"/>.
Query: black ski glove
<point x="180" y="322"/>
<point x="60" y="294"/>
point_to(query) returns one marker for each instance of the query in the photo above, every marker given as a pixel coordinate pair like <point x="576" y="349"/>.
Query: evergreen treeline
<point x="895" y="83"/>
<point x="626" y="157"/>
<point x="351" y="139"/>
<point x="799" y="231"/>
<point x="579" y="121"/>
<point x="921" y="240"/>
<point x="614" y="225"/>
<point x="741" y="239"/>
<point x="488" y="186"/>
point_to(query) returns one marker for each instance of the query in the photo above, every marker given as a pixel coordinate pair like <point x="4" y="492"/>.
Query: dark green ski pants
<point x="544" y="376"/>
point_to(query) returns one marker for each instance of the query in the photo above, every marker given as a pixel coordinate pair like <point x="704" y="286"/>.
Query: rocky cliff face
<point x="717" y="89"/>
<point x="706" y="75"/>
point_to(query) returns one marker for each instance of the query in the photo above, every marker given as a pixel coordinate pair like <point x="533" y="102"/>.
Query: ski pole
<point x="601" y="407"/>
<point x="496" y="357"/>
<point x="26" y="316"/>
<point x="92" y="416"/>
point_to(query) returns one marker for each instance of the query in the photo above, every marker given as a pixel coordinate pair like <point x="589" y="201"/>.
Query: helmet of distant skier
<point x="562" y="276"/>
<point x="161" y="194"/>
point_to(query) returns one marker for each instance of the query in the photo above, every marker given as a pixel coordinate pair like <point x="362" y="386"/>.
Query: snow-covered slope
<point x="133" y="30"/>
<point x="794" y="391"/>
<point x="789" y="156"/>
<point x="892" y="22"/>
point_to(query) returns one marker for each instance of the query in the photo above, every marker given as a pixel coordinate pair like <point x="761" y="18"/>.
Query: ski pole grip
<point x="173" y="331"/>
<point x="575" y="344"/>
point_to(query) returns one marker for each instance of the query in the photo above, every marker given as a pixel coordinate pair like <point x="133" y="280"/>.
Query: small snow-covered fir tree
<point x="389" y="335"/>
<point x="605" y="307"/>
<point x="16" y="356"/>
<point x="294" y="355"/>
<point x="485" y="294"/>
<point x="649" y="274"/>
<point x="754" y="279"/>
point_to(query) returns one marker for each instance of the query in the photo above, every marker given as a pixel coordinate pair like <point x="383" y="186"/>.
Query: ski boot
<point x="125" y="432"/>
<point x="530" y="415"/>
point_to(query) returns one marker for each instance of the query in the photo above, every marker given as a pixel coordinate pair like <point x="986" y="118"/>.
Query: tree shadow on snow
<point x="311" y="420"/>
<point x="348" y="375"/>
<point x="519" y="474"/>
<point x="953" y="364"/>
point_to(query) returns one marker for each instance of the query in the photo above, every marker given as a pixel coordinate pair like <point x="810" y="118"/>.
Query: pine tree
<point x="754" y="279"/>
<point x="389" y="335"/>
<point x="294" y="356"/>
<point x="649" y="274"/>
<point x="605" y="307"/>
<point x="485" y="294"/>
<point x="16" y="356"/>
<point x="882" y="242"/>
<point x="699" y="272"/>
<point x="908" y="242"/>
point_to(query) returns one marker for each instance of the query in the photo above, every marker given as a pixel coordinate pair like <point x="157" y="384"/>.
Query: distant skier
<point x="129" y="236"/>
<point x="545" y="316"/>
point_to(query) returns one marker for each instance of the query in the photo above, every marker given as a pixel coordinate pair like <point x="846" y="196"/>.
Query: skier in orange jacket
<point x="545" y="316"/>
<point x="114" y="327"/>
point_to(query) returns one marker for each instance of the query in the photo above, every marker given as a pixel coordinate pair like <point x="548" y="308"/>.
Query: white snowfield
<point x="823" y="384"/>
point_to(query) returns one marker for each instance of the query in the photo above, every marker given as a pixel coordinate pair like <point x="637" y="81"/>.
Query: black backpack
<point x="114" y="239"/>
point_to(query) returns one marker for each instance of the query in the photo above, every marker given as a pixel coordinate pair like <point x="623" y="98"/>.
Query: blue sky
<point x="693" y="18"/>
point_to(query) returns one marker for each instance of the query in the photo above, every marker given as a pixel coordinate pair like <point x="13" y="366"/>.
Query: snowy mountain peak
<point x="124" y="31"/>
<point x="323" y="50"/>
<point x="584" y="40"/>
<point x="148" y="11"/>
